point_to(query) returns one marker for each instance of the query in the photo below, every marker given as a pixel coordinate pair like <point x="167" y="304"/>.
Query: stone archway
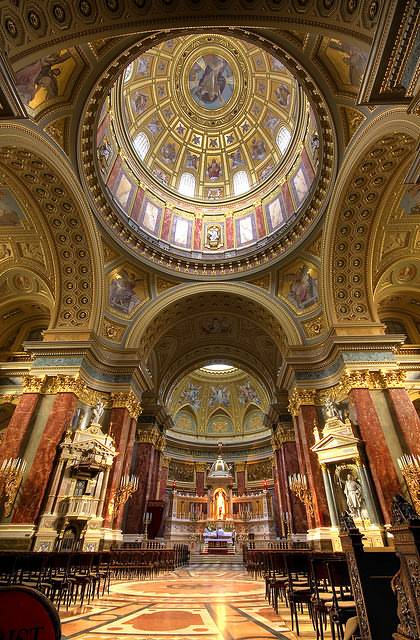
<point x="51" y="189"/>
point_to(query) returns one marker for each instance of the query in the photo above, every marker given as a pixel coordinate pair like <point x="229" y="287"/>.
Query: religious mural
<point x="300" y="286"/>
<point x="181" y="471"/>
<point x="47" y="78"/>
<point x="219" y="396"/>
<point x="191" y="394"/>
<point x="253" y="421"/>
<point x="126" y="291"/>
<point x="11" y="214"/>
<point x="220" y="424"/>
<point x="346" y="61"/>
<point x="248" y="394"/>
<point x="410" y="201"/>
<point x="185" y="421"/>
<point x="211" y="81"/>
<point x="259" y="471"/>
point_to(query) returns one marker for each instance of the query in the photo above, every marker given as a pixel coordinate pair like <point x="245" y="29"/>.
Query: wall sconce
<point x="11" y="474"/>
<point x="298" y="484"/>
<point x="410" y="469"/>
<point x="128" y="486"/>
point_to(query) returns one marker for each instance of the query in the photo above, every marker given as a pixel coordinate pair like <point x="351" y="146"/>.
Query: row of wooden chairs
<point x="318" y="582"/>
<point x="71" y="578"/>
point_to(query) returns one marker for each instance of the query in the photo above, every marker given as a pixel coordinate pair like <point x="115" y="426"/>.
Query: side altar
<point x="220" y="518"/>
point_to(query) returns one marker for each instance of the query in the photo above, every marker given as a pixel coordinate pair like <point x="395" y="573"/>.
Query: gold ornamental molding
<point x="127" y="400"/>
<point x="9" y="399"/>
<point x="301" y="397"/>
<point x="63" y="384"/>
<point x="201" y="467"/>
<point x="283" y="434"/>
<point x="149" y="436"/>
<point x="354" y="379"/>
<point x="240" y="466"/>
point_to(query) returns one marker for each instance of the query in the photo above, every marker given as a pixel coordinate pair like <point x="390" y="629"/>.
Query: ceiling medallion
<point x="211" y="83"/>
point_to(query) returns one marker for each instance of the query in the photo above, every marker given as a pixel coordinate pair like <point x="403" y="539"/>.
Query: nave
<point x="220" y="602"/>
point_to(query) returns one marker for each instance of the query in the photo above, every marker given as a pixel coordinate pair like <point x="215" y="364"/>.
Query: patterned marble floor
<point x="201" y="601"/>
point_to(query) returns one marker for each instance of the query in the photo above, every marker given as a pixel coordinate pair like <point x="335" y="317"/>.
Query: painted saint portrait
<point x="258" y="151"/>
<point x="214" y="170"/>
<point x="104" y="153"/>
<point x="122" y="291"/>
<point x="191" y="394"/>
<point x="45" y="79"/>
<point x="349" y="62"/>
<point x="219" y="396"/>
<point x="282" y="94"/>
<point x="139" y="102"/>
<point x="237" y="159"/>
<point x="248" y="394"/>
<point x="211" y="81"/>
<point x="10" y="212"/>
<point x="168" y="153"/>
<point x="410" y="201"/>
<point x="303" y="287"/>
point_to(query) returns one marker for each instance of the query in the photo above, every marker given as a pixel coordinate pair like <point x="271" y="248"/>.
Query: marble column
<point x="34" y="486"/>
<point x="277" y="504"/>
<point x="120" y="423"/>
<point x="406" y="417"/>
<point x="306" y="419"/>
<point x="154" y="481"/>
<point x="200" y="475"/>
<point x="381" y="463"/>
<point x="127" y="467"/>
<point x="163" y="477"/>
<point x="16" y="430"/>
<point x="143" y="467"/>
<point x="329" y="492"/>
<point x="240" y="477"/>
<point x="288" y="463"/>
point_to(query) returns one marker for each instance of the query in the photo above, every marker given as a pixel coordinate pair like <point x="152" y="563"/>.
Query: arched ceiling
<point x="218" y="405"/>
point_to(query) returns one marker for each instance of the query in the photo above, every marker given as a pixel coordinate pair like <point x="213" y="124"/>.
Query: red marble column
<point x="154" y="480"/>
<point x="200" y="472"/>
<point x="406" y="418"/>
<point x="240" y="478"/>
<point x="381" y="464"/>
<point x="288" y="464"/>
<point x="136" y="506"/>
<point x="163" y="478"/>
<point x="32" y="492"/>
<point x="306" y="419"/>
<point x="18" y="426"/>
<point x="127" y="467"/>
<point x="277" y="504"/>
<point x="120" y="423"/>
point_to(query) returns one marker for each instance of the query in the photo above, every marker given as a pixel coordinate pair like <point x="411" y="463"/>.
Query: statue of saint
<point x="330" y="410"/>
<point x="97" y="412"/>
<point x="353" y="493"/>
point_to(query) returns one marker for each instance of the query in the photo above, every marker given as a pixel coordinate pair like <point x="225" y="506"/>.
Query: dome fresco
<point x="214" y="404"/>
<point x="208" y="145"/>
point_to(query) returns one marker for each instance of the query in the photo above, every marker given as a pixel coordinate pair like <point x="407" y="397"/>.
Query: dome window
<point x="187" y="185"/>
<point x="240" y="183"/>
<point x="141" y="145"/>
<point x="283" y="138"/>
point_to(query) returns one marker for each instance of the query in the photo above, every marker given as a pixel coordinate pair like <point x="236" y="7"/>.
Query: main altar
<point x="219" y="519"/>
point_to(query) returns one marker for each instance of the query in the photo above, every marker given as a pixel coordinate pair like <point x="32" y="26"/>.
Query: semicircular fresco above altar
<point x="214" y="404"/>
<point x="207" y="144"/>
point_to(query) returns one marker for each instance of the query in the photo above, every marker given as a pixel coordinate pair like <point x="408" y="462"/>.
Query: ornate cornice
<point x="200" y="467"/>
<point x="63" y="384"/>
<point x="127" y="400"/>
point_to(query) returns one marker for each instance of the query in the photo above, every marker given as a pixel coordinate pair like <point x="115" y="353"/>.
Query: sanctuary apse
<point x="188" y="186"/>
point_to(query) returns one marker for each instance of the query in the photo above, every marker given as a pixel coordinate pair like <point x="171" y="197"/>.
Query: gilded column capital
<point x="283" y="434"/>
<point x="240" y="466"/>
<point x="127" y="400"/>
<point x="160" y="443"/>
<point x="301" y="397"/>
<point x="33" y="384"/>
<point x="148" y="436"/>
<point x="354" y="379"/>
<point x="393" y="379"/>
<point x="201" y="467"/>
<point x="9" y="398"/>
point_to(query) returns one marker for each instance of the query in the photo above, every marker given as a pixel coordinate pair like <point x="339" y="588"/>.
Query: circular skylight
<point x="218" y="367"/>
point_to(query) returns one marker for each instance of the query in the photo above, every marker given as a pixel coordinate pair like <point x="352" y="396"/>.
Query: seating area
<point x="310" y="584"/>
<point x="68" y="578"/>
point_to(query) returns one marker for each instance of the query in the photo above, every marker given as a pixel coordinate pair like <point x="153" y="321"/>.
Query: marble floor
<point x="200" y="601"/>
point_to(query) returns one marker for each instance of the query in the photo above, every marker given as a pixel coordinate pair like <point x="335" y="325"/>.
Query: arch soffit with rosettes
<point x="373" y="159"/>
<point x="46" y="177"/>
